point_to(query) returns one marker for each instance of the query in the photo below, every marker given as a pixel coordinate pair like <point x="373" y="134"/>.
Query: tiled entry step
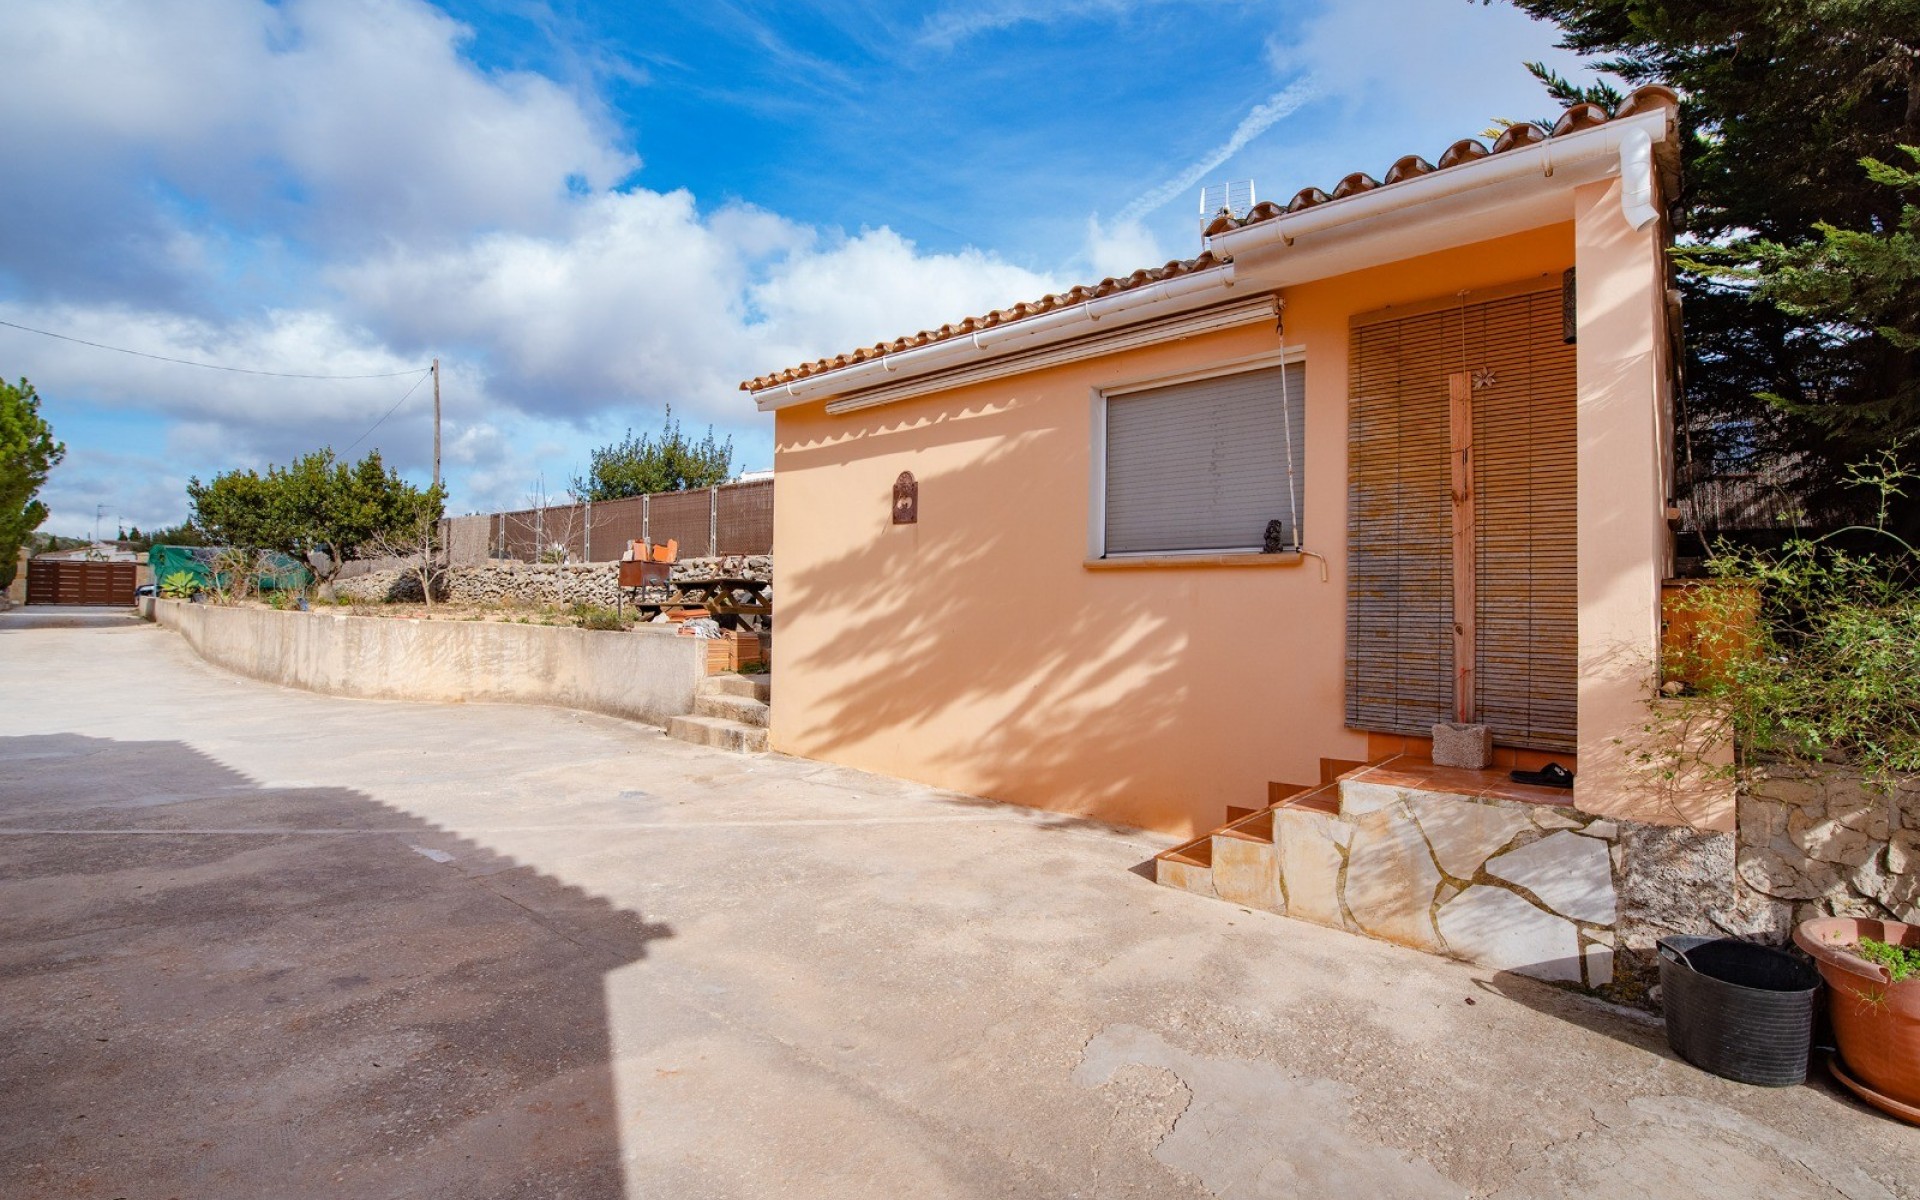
<point x="1390" y="851"/>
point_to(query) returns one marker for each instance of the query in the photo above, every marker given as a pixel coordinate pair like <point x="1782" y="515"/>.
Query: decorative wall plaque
<point x="906" y="499"/>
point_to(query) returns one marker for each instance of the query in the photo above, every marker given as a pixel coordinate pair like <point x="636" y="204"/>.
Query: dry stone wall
<point x="505" y="582"/>
<point x="1817" y="842"/>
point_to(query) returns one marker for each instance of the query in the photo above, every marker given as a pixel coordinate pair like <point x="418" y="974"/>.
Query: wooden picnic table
<point x="716" y="596"/>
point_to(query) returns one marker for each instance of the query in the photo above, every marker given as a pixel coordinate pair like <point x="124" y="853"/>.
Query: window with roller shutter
<point x="1204" y="465"/>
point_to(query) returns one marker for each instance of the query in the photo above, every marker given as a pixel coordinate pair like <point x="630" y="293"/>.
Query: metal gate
<point x="52" y="581"/>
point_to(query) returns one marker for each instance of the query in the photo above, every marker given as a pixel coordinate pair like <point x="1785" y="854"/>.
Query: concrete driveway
<point x="259" y="943"/>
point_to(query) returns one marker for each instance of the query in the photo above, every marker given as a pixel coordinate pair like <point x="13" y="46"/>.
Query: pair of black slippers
<point x="1552" y="775"/>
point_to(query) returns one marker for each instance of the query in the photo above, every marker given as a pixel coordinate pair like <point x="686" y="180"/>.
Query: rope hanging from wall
<point x="1286" y="423"/>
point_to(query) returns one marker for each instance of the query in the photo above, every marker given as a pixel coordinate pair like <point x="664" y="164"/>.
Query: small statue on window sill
<point x="1276" y="539"/>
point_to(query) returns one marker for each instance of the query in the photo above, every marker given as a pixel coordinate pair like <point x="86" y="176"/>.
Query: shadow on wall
<point x="215" y="989"/>
<point x="972" y="650"/>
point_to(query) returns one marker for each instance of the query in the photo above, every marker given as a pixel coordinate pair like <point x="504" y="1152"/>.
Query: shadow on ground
<point x="1644" y="1031"/>
<point x="212" y="989"/>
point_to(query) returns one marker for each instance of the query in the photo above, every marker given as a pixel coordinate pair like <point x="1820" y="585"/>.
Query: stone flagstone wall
<point x="1559" y="895"/>
<point x="1511" y="886"/>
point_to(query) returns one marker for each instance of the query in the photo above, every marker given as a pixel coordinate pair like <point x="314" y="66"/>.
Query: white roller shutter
<point x="1204" y="465"/>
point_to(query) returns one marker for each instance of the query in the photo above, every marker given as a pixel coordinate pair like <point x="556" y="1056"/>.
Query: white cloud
<point x="390" y="201"/>
<point x="842" y="293"/>
<point x="1413" y="65"/>
<point x="948" y="27"/>
<point x="345" y="121"/>
<point x="643" y="301"/>
<point x="1121" y="247"/>
<point x="333" y="184"/>
<point x="1382" y="78"/>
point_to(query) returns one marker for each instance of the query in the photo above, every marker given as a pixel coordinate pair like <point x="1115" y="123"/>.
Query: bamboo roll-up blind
<point x="1399" y="589"/>
<point x="1400" y="667"/>
<point x="1523" y="425"/>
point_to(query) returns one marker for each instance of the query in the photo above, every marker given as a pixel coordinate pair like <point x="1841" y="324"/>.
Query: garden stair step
<point x="753" y="687"/>
<point x="719" y="733"/>
<point x="730" y="712"/>
<point x="1237" y="861"/>
<point x="744" y="709"/>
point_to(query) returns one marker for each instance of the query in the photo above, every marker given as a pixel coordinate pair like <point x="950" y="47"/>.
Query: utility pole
<point x="436" y="423"/>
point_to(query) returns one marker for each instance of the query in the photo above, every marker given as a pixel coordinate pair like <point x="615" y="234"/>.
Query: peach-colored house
<point x="1226" y="531"/>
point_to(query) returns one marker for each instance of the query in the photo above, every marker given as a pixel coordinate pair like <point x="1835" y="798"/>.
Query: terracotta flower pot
<point x="1875" y="1020"/>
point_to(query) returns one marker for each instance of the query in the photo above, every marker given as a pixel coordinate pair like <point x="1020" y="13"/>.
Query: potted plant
<point x="1872" y="969"/>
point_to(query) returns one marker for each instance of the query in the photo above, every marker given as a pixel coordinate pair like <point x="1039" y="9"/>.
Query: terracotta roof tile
<point x="1410" y="166"/>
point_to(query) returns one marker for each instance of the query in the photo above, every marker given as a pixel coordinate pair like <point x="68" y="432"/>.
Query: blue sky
<point x="590" y="211"/>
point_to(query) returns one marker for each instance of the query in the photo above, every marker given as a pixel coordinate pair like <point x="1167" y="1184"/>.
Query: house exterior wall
<point x="1625" y="545"/>
<point x="976" y="649"/>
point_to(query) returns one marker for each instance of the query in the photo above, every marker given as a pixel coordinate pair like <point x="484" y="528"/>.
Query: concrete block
<point x="719" y="733"/>
<point x="752" y="687"/>
<point x="1459" y="745"/>
<point x="644" y="675"/>
<point x="744" y="709"/>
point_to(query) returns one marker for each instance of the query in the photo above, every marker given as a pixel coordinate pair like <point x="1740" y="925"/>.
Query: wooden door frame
<point x="1465" y="568"/>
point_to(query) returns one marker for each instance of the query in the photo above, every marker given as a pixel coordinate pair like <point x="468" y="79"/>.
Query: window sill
<point x="1153" y="562"/>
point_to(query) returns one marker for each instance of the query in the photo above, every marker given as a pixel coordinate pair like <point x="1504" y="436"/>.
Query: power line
<point x="396" y="408"/>
<point x="187" y="362"/>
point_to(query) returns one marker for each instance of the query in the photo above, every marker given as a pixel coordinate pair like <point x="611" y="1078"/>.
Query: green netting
<point x="167" y="561"/>
<point x="277" y="572"/>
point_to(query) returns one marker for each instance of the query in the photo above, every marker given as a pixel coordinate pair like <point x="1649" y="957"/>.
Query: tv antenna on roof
<point x="1233" y="197"/>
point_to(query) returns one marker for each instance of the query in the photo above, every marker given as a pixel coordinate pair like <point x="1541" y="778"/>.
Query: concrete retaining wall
<point x="643" y="675"/>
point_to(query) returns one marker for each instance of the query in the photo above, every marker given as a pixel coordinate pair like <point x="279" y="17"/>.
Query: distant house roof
<point x="1574" y="119"/>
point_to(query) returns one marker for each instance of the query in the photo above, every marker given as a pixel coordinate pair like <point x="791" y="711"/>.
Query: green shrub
<point x="597" y="616"/>
<point x="179" y="585"/>
<point x="1824" y="668"/>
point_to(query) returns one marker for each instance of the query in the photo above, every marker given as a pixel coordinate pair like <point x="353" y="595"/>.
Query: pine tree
<point x="1781" y="104"/>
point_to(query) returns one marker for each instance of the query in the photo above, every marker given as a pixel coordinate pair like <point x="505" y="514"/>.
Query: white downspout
<point x="1636" y="178"/>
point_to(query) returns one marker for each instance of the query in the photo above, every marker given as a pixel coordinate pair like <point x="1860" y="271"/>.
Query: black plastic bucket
<point x="1741" y="1011"/>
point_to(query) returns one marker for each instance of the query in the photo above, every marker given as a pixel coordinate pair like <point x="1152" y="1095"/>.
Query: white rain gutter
<point x="1627" y="140"/>
<point x="1090" y="316"/>
<point x="1234" y="314"/>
